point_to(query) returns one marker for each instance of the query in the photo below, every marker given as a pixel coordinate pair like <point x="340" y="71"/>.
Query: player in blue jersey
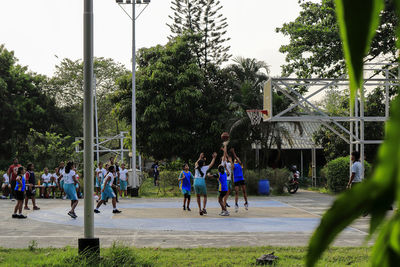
<point x="238" y="180"/>
<point x="19" y="191"/>
<point x="184" y="184"/>
<point x="222" y="189"/>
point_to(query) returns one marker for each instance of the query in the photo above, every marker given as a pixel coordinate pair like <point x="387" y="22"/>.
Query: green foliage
<point x="315" y="47"/>
<point x="49" y="149"/>
<point x="278" y="179"/>
<point x="212" y="257"/>
<point x="176" y="104"/>
<point x="337" y="173"/>
<point x="376" y="194"/>
<point x="202" y="17"/>
<point x="23" y="106"/>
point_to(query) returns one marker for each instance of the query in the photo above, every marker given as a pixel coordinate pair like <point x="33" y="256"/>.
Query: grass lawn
<point x="119" y="255"/>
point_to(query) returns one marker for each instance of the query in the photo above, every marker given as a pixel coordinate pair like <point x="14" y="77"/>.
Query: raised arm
<point x="214" y="156"/>
<point x="200" y="157"/>
<point x="235" y="156"/>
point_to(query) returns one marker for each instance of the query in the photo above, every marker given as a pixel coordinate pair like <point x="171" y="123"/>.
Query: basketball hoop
<point x="256" y="115"/>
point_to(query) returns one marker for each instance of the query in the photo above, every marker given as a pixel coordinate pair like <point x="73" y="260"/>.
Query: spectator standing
<point x="156" y="172"/>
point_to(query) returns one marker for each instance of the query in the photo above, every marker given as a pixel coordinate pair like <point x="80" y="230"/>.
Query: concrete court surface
<point x="280" y="221"/>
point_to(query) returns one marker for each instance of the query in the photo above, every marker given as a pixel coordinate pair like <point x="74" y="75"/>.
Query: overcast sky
<point x="39" y="31"/>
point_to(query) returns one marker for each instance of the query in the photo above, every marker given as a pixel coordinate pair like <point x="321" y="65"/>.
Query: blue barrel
<point x="263" y="187"/>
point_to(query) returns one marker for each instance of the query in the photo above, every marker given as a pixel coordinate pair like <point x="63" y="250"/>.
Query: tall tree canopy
<point x="24" y="106"/>
<point x="177" y="112"/>
<point x="202" y="17"/>
<point x="315" y="48"/>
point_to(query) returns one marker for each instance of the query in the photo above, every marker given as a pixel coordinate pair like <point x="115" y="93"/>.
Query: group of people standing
<point x="230" y="168"/>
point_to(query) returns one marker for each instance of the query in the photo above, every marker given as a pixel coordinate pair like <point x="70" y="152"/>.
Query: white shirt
<point x="46" y="177"/>
<point x="122" y="174"/>
<point x="356" y="169"/>
<point x="6" y="178"/>
<point x="62" y="172"/>
<point x="104" y="171"/>
<point x="68" y="177"/>
<point x="55" y="177"/>
<point x="111" y="180"/>
<point x="229" y="169"/>
<point x="204" y="170"/>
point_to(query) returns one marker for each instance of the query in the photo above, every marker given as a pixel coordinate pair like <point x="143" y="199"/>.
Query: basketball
<point x="225" y="136"/>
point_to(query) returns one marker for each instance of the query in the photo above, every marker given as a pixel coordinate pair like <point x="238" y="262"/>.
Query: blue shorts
<point x="200" y="186"/>
<point x="108" y="193"/>
<point x="123" y="185"/>
<point x="70" y="191"/>
<point x="184" y="191"/>
<point x="46" y="184"/>
<point x="76" y="186"/>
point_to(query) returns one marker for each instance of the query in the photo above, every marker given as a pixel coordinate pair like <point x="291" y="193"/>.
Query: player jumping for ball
<point x="238" y="180"/>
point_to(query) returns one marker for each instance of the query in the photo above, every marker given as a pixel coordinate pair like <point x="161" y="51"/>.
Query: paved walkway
<point x="283" y="221"/>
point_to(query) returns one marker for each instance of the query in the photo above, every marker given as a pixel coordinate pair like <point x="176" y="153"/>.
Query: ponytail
<point x="199" y="165"/>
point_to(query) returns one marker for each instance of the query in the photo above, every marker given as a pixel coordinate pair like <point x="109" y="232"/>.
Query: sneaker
<point x="201" y="213"/>
<point x="64" y="197"/>
<point x="204" y="211"/>
<point x="225" y="213"/>
<point x="188" y="209"/>
<point x="116" y="211"/>
<point x="73" y="216"/>
<point x="236" y="207"/>
<point x="221" y="213"/>
<point x="26" y="208"/>
<point x="96" y="211"/>
<point x="246" y="206"/>
<point x="13" y="199"/>
<point x="227" y="205"/>
<point x="36" y="208"/>
<point x="14" y="216"/>
<point x="21" y="216"/>
<point x="184" y="208"/>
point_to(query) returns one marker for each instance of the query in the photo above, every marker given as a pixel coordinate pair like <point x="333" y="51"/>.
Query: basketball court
<point x="282" y="221"/>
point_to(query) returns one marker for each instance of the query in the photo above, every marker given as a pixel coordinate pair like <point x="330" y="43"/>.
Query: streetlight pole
<point x="133" y="18"/>
<point x="88" y="245"/>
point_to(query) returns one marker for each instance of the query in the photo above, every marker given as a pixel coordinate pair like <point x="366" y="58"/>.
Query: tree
<point x="49" y="149"/>
<point x="202" y="17"/>
<point x="66" y="87"/>
<point x="359" y="21"/>
<point x="24" y="105"/>
<point x="177" y="112"/>
<point x="315" y="47"/>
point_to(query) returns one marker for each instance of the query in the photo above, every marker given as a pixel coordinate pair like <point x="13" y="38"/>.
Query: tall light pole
<point x="88" y="245"/>
<point x="133" y="18"/>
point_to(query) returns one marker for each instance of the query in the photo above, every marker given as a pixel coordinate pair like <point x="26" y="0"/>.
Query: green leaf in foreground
<point x="358" y="21"/>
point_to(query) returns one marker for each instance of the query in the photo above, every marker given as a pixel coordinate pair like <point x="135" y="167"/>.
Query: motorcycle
<point x="293" y="184"/>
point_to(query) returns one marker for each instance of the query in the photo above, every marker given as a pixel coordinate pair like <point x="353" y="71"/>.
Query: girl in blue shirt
<point x="19" y="194"/>
<point x="239" y="181"/>
<point x="222" y="188"/>
<point x="185" y="185"/>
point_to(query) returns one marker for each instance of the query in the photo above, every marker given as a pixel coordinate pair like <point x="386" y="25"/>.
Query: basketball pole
<point x="89" y="245"/>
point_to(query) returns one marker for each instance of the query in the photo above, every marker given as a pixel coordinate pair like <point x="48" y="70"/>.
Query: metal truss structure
<point x="382" y="75"/>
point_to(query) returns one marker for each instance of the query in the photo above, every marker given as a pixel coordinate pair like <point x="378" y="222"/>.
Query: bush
<point x="278" y="179"/>
<point x="337" y="173"/>
<point x="169" y="182"/>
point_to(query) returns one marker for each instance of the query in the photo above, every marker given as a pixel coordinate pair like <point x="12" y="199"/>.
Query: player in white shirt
<point x="69" y="178"/>
<point x="123" y="180"/>
<point x="60" y="173"/>
<point x="99" y="178"/>
<point x="107" y="192"/>
<point x="226" y="162"/>
<point x="6" y="187"/>
<point x="45" y="181"/>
